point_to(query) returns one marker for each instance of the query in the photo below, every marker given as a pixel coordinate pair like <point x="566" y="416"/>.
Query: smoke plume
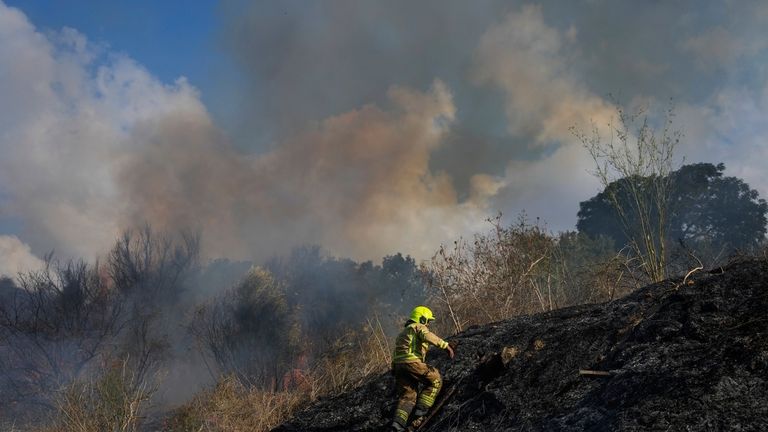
<point x="364" y="127"/>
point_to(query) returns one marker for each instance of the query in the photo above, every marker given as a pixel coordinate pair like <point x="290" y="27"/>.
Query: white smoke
<point x="16" y="257"/>
<point x="100" y="145"/>
<point x="66" y="119"/>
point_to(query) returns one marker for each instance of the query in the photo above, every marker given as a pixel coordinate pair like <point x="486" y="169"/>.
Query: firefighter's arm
<point x="449" y="348"/>
<point x="436" y="341"/>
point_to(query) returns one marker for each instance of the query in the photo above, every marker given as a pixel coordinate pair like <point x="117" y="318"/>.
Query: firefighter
<point x="410" y="371"/>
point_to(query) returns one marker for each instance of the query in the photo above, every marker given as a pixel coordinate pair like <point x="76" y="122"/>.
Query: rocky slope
<point x="680" y="357"/>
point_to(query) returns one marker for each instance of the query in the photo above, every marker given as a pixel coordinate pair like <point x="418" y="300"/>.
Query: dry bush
<point x="500" y="274"/>
<point x="116" y="401"/>
<point x="352" y="359"/>
<point x="522" y="269"/>
<point x="588" y="271"/>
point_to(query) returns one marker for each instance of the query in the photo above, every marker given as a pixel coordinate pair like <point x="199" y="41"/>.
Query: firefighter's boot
<point x="419" y="415"/>
<point x="397" y="427"/>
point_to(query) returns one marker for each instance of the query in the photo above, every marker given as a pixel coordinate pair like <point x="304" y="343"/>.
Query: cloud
<point x="16" y="257"/>
<point x="730" y="128"/>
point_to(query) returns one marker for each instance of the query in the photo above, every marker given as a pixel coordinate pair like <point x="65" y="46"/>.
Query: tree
<point x="709" y="212"/>
<point x="66" y="321"/>
<point x="249" y="330"/>
<point x="637" y="161"/>
<point x="53" y="328"/>
<point x="709" y="207"/>
<point x="151" y="272"/>
<point x="399" y="281"/>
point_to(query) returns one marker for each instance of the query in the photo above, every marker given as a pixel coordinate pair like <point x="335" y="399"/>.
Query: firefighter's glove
<point x="451" y="354"/>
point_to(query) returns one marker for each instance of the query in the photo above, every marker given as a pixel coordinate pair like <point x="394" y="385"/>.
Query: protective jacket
<point x="413" y="342"/>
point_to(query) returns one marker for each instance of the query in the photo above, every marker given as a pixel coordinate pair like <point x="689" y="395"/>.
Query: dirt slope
<point x="692" y="357"/>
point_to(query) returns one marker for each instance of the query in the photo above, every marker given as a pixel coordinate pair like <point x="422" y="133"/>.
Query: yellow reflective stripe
<point x="412" y="346"/>
<point x="415" y="339"/>
<point x="407" y="356"/>
<point x="414" y="342"/>
<point x="426" y="401"/>
<point x="427" y="398"/>
<point x="402" y="414"/>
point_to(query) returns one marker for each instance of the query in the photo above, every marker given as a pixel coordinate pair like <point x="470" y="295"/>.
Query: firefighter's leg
<point x="432" y="381"/>
<point x="406" y="387"/>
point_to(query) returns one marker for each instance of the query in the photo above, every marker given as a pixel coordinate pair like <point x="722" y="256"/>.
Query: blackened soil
<point x="690" y="357"/>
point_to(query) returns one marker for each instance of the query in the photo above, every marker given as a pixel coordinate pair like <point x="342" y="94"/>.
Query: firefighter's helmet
<point x="421" y="315"/>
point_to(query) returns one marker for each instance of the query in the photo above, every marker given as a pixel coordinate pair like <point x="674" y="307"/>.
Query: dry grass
<point x="115" y="402"/>
<point x="234" y="406"/>
<point x="352" y="360"/>
<point x="231" y="406"/>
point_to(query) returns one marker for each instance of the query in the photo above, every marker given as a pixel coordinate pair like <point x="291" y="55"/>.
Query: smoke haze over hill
<point x="365" y="127"/>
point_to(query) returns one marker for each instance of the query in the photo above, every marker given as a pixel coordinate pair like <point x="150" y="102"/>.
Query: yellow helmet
<point x="421" y="315"/>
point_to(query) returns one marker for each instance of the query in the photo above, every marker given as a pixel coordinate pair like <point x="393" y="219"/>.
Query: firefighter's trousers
<point x="408" y="376"/>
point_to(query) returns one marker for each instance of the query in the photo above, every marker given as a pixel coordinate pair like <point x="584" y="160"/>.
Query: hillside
<point x="680" y="357"/>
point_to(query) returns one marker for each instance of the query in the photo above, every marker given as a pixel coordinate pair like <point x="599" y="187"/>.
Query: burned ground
<point x="690" y="356"/>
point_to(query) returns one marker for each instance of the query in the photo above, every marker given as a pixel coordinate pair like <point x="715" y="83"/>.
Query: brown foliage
<point x="520" y="269"/>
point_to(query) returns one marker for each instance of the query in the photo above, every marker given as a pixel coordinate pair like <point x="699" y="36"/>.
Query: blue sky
<point x="367" y="127"/>
<point x="171" y="38"/>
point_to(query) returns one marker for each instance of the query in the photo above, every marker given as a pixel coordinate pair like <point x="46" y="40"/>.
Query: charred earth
<point x="672" y="356"/>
